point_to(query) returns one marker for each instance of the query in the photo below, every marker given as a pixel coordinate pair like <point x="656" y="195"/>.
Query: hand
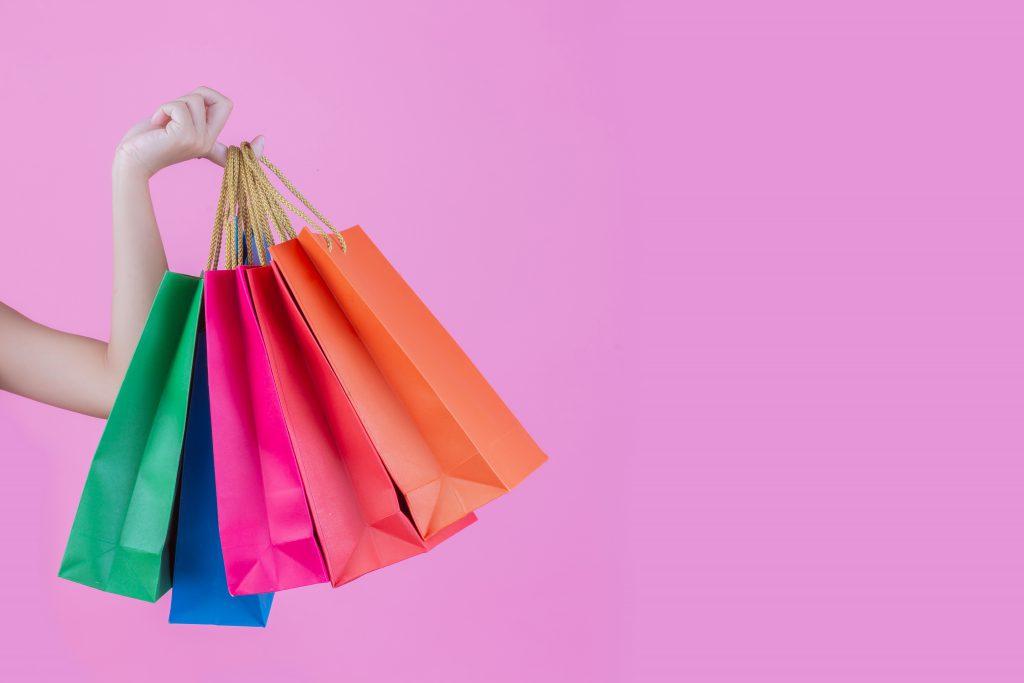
<point x="182" y="129"/>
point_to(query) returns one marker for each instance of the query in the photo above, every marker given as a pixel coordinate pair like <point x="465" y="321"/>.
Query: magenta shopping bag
<point x="265" y="527"/>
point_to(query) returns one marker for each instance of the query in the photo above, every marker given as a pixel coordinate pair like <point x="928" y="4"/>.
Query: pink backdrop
<point x="749" y="271"/>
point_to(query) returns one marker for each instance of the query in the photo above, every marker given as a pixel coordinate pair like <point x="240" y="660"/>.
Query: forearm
<point x="139" y="263"/>
<point x="62" y="369"/>
<point x="84" y="374"/>
<point x="79" y="373"/>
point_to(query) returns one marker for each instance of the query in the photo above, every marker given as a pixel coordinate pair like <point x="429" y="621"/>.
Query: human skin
<point x="80" y="373"/>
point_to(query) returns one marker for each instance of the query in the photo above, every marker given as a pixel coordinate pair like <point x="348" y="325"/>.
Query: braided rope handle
<point x="249" y="204"/>
<point x="242" y="214"/>
<point x="302" y="199"/>
<point x="226" y="211"/>
<point x="254" y="185"/>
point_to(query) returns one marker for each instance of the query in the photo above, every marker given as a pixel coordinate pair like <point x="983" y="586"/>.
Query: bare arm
<point x="83" y="374"/>
<point x="54" y="367"/>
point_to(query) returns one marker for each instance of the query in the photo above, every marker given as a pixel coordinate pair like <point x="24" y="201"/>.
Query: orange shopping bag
<point x="448" y="440"/>
<point x="358" y="517"/>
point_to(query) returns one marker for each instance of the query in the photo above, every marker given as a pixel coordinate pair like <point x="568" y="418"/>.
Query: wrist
<point x="127" y="168"/>
<point x="128" y="179"/>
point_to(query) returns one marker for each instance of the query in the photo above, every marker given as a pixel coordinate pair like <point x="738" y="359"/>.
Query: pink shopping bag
<point x="265" y="527"/>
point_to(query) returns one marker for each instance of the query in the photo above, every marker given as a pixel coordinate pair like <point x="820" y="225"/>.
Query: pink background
<point x="751" y="272"/>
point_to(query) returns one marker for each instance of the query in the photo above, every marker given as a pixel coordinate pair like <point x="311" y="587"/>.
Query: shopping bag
<point x="476" y="448"/>
<point x="265" y="528"/>
<point x="200" y="593"/>
<point x="356" y="510"/>
<point x="122" y="537"/>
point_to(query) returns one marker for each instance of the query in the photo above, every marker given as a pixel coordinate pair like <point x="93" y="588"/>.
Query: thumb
<point x="218" y="154"/>
<point x="258" y="143"/>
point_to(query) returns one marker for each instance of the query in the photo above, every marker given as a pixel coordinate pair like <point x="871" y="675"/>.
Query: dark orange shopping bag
<point x="448" y="440"/>
<point x="355" y="507"/>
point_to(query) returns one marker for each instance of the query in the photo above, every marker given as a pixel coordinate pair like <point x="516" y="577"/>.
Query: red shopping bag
<point x="265" y="527"/>
<point x="355" y="507"/>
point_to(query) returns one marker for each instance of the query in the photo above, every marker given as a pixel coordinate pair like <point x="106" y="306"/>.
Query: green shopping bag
<point x="122" y="536"/>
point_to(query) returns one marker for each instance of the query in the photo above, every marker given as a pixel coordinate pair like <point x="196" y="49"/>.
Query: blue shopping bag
<point x="200" y="590"/>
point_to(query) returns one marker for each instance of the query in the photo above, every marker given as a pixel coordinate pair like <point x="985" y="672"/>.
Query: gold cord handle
<point x="302" y="198"/>
<point x="241" y="216"/>
<point x="226" y="211"/>
<point x="249" y="204"/>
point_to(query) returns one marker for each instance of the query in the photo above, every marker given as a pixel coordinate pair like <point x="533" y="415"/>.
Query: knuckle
<point x="207" y="92"/>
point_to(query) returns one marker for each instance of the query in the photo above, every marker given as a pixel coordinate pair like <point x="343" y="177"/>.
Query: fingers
<point x="203" y="112"/>
<point x="185" y="118"/>
<point x="219" y="153"/>
<point x="218" y="108"/>
<point x="197" y="109"/>
<point x="176" y="112"/>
